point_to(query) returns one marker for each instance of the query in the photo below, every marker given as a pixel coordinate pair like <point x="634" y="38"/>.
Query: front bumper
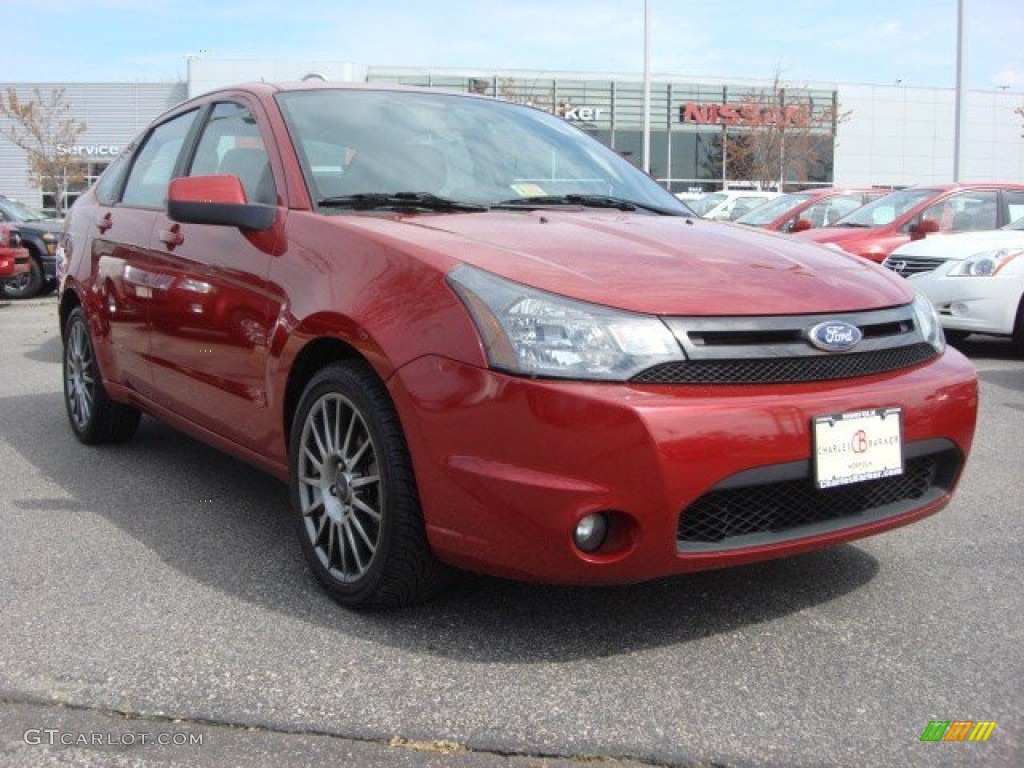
<point x="13" y="262"/>
<point x="48" y="263"/>
<point x="506" y="466"/>
<point x="973" y="304"/>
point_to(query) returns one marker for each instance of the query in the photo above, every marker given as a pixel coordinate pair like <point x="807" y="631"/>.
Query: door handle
<point x="105" y="223"/>
<point x="172" y="237"/>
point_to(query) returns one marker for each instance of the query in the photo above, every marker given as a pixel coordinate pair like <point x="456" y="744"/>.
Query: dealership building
<point x="863" y="134"/>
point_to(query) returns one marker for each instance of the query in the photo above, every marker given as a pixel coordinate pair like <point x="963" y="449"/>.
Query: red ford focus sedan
<point x="469" y="336"/>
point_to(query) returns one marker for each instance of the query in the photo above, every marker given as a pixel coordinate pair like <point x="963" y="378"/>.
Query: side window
<point x="154" y="163"/>
<point x="231" y="143"/>
<point x="1014" y="204"/>
<point x="110" y="182"/>
<point x="965" y="211"/>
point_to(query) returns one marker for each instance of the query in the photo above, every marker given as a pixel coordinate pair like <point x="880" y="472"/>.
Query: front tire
<point x="94" y="417"/>
<point x="354" y="494"/>
<point x="1018" y="328"/>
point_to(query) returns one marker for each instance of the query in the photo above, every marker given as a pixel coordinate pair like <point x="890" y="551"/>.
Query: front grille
<point x="779" y="511"/>
<point x="912" y="265"/>
<point x="787" y="369"/>
<point x="774" y="349"/>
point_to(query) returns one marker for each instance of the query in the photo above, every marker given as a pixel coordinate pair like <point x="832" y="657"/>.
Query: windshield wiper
<point x="586" y="201"/>
<point x="401" y="201"/>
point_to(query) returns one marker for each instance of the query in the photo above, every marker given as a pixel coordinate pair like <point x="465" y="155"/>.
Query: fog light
<point x="590" y="532"/>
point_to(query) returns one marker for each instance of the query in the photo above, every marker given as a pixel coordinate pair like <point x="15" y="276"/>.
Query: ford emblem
<point x="835" y="336"/>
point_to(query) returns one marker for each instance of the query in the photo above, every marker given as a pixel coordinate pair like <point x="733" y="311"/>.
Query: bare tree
<point x="779" y="134"/>
<point x="1020" y="112"/>
<point x="44" y="129"/>
<point x="788" y="132"/>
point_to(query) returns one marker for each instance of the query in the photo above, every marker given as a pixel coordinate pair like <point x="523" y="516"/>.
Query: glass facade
<point x="703" y="137"/>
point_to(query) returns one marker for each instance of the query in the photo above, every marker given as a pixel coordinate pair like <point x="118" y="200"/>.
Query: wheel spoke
<point x="362" y="482"/>
<point x="354" y="522"/>
<point x="355" y="550"/>
<point x="348" y="434"/>
<point x="332" y="541"/>
<point x="351" y="462"/>
<point x="362" y="506"/>
<point x="316" y="433"/>
<point x="318" y="466"/>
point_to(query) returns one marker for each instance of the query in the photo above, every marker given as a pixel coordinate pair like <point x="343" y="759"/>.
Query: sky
<point x="912" y="42"/>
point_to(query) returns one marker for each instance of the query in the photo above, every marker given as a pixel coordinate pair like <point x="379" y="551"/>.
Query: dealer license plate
<point x="853" y="447"/>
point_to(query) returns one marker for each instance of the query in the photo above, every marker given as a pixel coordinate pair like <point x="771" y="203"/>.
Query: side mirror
<point x="923" y="228"/>
<point x="800" y="225"/>
<point x="218" y="200"/>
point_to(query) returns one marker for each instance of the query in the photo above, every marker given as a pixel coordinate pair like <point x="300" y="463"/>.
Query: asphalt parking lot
<point x="154" y="592"/>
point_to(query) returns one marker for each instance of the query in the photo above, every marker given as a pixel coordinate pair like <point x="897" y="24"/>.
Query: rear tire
<point x="94" y="417"/>
<point x="354" y="495"/>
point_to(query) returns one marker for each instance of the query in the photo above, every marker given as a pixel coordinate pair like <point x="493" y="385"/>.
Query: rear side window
<point x="110" y="182"/>
<point x="155" y="161"/>
<point x="231" y="143"/>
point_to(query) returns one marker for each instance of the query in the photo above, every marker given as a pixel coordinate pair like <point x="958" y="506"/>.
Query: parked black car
<point x="39" y="234"/>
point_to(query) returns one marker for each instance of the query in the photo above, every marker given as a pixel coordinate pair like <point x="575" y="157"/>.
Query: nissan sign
<point x="744" y="114"/>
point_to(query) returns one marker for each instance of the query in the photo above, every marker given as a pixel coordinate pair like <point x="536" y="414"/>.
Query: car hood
<point x="53" y="226"/>
<point x="664" y="265"/>
<point x="961" y="246"/>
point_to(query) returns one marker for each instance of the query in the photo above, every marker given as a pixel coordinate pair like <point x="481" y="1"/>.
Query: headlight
<point x="985" y="264"/>
<point x="535" y="333"/>
<point x="928" y="321"/>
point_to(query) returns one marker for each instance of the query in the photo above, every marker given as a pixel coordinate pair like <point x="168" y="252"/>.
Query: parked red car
<point x="13" y="258"/>
<point x="469" y="335"/>
<point x="883" y="225"/>
<point x="808" y="209"/>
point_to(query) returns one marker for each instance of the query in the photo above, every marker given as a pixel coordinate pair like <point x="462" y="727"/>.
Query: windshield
<point x="459" y="148"/>
<point x="705" y="204"/>
<point x="770" y="210"/>
<point x="19" y="212"/>
<point x="887" y="208"/>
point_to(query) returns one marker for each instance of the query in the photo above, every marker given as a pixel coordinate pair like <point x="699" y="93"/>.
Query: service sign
<point x="853" y="447"/>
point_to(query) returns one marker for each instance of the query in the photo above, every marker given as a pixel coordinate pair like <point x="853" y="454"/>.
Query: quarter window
<point x="231" y="143"/>
<point x="155" y="162"/>
<point x="1014" y="204"/>
<point x="110" y="182"/>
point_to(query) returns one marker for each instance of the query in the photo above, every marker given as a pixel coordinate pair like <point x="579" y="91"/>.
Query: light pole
<point x="646" y="155"/>
<point x="960" y="119"/>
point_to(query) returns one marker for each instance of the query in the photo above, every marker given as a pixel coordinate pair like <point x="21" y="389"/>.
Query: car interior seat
<point x="252" y="166"/>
